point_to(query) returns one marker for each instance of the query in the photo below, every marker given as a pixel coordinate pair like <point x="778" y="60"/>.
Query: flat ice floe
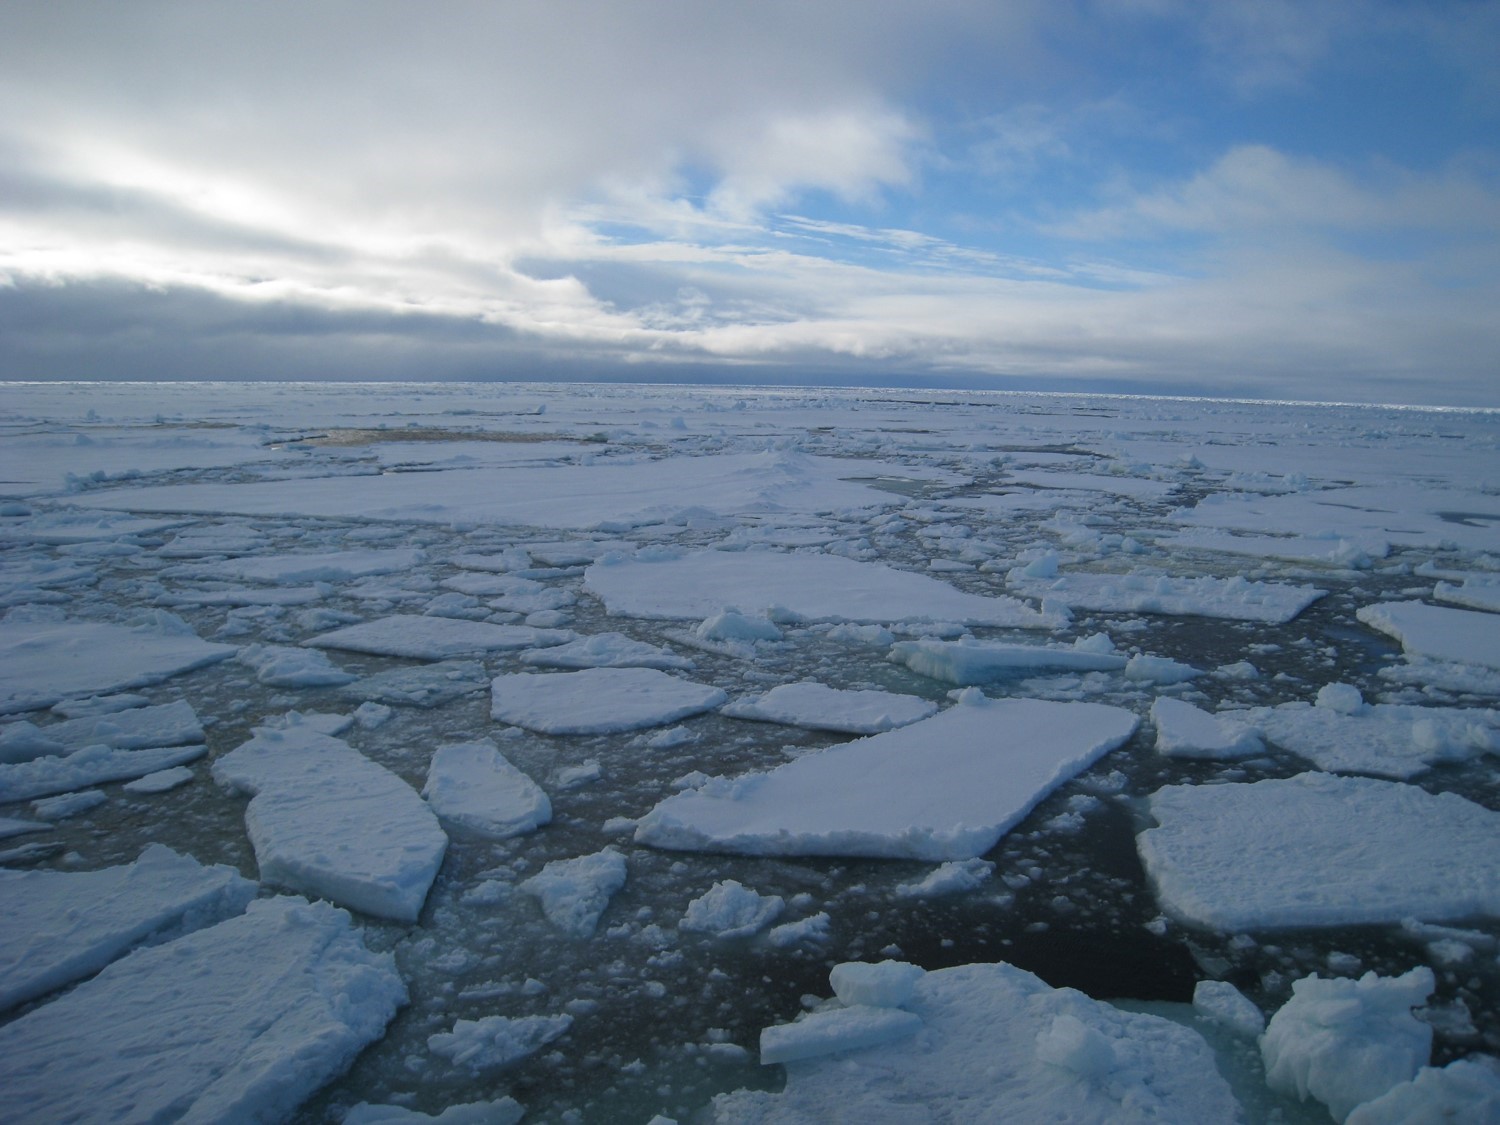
<point x="326" y="820"/>
<point x="1457" y="636"/>
<point x="429" y="685"/>
<point x="331" y="566"/>
<point x="93" y="765"/>
<point x="945" y="788"/>
<point x="1319" y="850"/>
<point x="696" y="585"/>
<point x="816" y="706"/>
<point x="1185" y="731"/>
<point x="1320" y="550"/>
<point x="968" y="661"/>
<point x="606" y="650"/>
<point x="471" y="784"/>
<point x="59" y="926"/>
<point x="1237" y="598"/>
<point x="598" y="700"/>
<point x="45" y="661"/>
<point x="237" y="1022"/>
<point x="167" y="724"/>
<point x="1475" y="592"/>
<point x="994" y="1043"/>
<point x="434" y="638"/>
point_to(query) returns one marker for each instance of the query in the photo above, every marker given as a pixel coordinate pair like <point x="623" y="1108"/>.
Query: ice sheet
<point x="598" y="700"/>
<point x="817" y="706"/>
<point x="945" y="788"/>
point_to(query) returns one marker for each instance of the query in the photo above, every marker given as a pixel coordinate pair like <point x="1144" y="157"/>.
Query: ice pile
<point x="731" y="910"/>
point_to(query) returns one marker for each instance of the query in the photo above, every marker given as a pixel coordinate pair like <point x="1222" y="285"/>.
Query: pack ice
<point x="944" y="788"/>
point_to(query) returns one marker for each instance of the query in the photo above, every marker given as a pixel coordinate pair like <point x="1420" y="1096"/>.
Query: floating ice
<point x="434" y="638"/>
<point x="335" y="566"/>
<point x="162" y="781"/>
<point x="996" y="1044"/>
<point x="817" y="706"/>
<point x="238" y="1022"/>
<point x="949" y="878"/>
<point x="947" y="787"/>
<point x="69" y="805"/>
<point x="472" y="785"/>
<point x="505" y="1111"/>
<point x="574" y="892"/>
<point x="13" y="826"/>
<point x="1185" y="731"/>
<point x="496" y="1041"/>
<point x="969" y="661"/>
<point x="606" y="650"/>
<point x="1159" y="670"/>
<point x="42" y="662"/>
<point x="430" y="685"/>
<point x="1458" y="636"/>
<point x="598" y="700"/>
<point x="59" y="926"/>
<point x="1464" y="1090"/>
<point x="1475" y="593"/>
<point x="1227" y="1006"/>
<point x="1345" y="1042"/>
<point x="880" y="984"/>
<point x="93" y="765"/>
<point x="731" y="910"/>
<point x="833" y="1030"/>
<point x="326" y="820"/>
<point x="1319" y="850"/>
<point x="1358" y="552"/>
<point x="732" y="625"/>
<point x="699" y="584"/>
<point x="285" y="666"/>
<point x="1237" y="598"/>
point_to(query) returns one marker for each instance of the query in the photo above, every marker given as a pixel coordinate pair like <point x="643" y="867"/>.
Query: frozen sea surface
<point x="534" y="601"/>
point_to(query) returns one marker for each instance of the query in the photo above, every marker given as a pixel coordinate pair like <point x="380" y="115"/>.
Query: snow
<point x="1464" y="1090"/>
<point x="1319" y="850"/>
<point x="434" y="638"/>
<point x="816" y="706"/>
<point x="240" y="1021"/>
<point x="606" y="650"/>
<point x="574" y="892"/>
<point x="1185" y="731"/>
<point x="729" y="909"/>
<point x="42" y="662"/>
<point x="698" y="584"/>
<point x="471" y="784"/>
<point x="93" y="765"/>
<point x="326" y="820"/>
<point x="496" y="1041"/>
<point x="598" y="700"/>
<point x="1236" y="598"/>
<point x="1345" y="1042"/>
<point x="1458" y="636"/>
<point x="945" y="788"/>
<point x="968" y="661"/>
<point x="991" y="1042"/>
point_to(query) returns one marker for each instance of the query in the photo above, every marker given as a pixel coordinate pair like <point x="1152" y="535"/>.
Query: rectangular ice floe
<point x="969" y="661"/>
<point x="434" y="638"/>
<point x="947" y="787"/>
<point x="326" y="820"/>
<point x="471" y="784"/>
<point x="238" y="1022"/>
<point x="1185" y="731"/>
<point x="694" y="585"/>
<point x="816" y="706"/>
<point x="1458" y="636"/>
<point x="1237" y="598"/>
<point x="598" y="700"/>
<point x="1319" y="850"/>
<point x="58" y="926"/>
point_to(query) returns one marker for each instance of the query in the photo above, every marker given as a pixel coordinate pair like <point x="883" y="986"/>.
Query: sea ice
<point x="879" y="984"/>
<point x="59" y="926"/>
<point x="833" y="1030"/>
<point x="949" y="878"/>
<point x="1475" y="593"/>
<point x="606" y="650"/>
<point x="435" y="638"/>
<point x="945" y="788"/>
<point x="598" y="700"/>
<point x="428" y="685"/>
<point x="1319" y="850"/>
<point x="1322" y="550"/>
<point x="335" y="566"/>
<point x="968" y="661"/>
<point x="1185" y="731"/>
<point x="730" y="909"/>
<point x="237" y="1022"/>
<point x="505" y="1111"/>
<point x="1464" y="1090"/>
<point x="69" y="804"/>
<point x="790" y="587"/>
<point x="1457" y="636"/>
<point x="285" y="666"/>
<point x="1220" y="1001"/>
<point x="997" y="1044"/>
<point x="816" y="706"/>
<point x="162" y="781"/>
<point x="93" y="765"/>
<point x="326" y="820"/>
<point x="496" y="1041"/>
<point x="472" y="785"/>
<point x="169" y="724"/>
<point x="1345" y="1042"/>
<point x="1237" y="598"/>
<point x="574" y="892"/>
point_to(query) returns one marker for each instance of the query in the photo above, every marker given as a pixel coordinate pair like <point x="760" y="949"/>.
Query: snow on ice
<point x="575" y="892"/>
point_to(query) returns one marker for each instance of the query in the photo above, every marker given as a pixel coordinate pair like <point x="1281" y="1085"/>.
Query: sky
<point x="1256" y="198"/>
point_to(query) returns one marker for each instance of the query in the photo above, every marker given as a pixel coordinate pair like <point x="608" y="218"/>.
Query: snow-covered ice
<point x="169" y="724"/>
<point x="434" y="638"/>
<point x="1464" y="1090"/>
<point x="819" y="707"/>
<point x="334" y="566"/>
<point x="598" y="700"/>
<point x="1458" y="636"/>
<point x="1185" y="731"/>
<point x="731" y="910"/>
<point x="472" y="785"/>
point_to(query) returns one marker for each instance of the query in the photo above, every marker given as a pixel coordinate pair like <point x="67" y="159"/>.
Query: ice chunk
<point x="947" y="787"/>
<point x="881" y="984"/>
<point x="1345" y="1042"/>
<point x="832" y="1030"/>
<point x="434" y="638"/>
<point x="968" y="661"/>
<point x="606" y="650"/>
<point x="949" y="878"/>
<point x="428" y="685"/>
<point x="505" y="1111"/>
<point x="980" y="1056"/>
<point x="170" y="724"/>
<point x="326" y="820"/>
<point x="42" y="662"/>
<point x="1227" y="1006"/>
<point x="816" y="706"/>
<point x="70" y="804"/>
<point x="1319" y="850"/>
<point x="574" y="892"/>
<point x="238" y="1022"/>
<point x="58" y="926"/>
<point x="730" y="910"/>
<point x="13" y="826"/>
<point x="700" y="584"/>
<point x="472" y="785"/>
<point x="598" y="700"/>
<point x="1464" y="1090"/>
<point x="285" y="666"/>
<point x="813" y="928"/>
<point x="1159" y="670"/>
<point x="496" y="1041"/>
<point x="1457" y="636"/>
<point x="732" y="625"/>
<point x="1343" y="698"/>
<point x="1237" y="598"/>
<point x="1185" y="731"/>
<point x="161" y="781"/>
<point x="93" y="765"/>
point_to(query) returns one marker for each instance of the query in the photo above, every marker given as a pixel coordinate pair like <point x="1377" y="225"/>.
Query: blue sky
<point x="1264" y="198"/>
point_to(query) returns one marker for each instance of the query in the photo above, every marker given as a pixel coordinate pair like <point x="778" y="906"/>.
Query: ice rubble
<point x="1319" y="850"/>
<point x="237" y="1022"/>
<point x="986" y="1042"/>
<point x="945" y="788"/>
<point x="791" y="587"/>
<point x="44" y="661"/>
<point x="816" y="706"/>
<point x="471" y="784"/>
<point x="326" y="820"/>
<point x="60" y="926"/>
<point x="598" y="700"/>
<point x="574" y="892"/>
<point x="968" y="661"/>
<point x="1457" y="636"/>
<point x="434" y="638"/>
<point x="1236" y="598"/>
<point x="729" y="909"/>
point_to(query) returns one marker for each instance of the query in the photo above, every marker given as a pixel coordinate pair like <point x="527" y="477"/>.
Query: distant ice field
<point x="532" y="752"/>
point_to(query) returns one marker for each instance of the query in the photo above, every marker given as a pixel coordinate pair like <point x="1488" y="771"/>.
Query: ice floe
<point x="430" y="685"/>
<point x="606" y="650"/>
<point x="496" y="1041"/>
<point x="93" y="765"/>
<point x="1457" y="636"/>
<point x="730" y="909"/>
<point x="1464" y="1090"/>
<point x="434" y="638"/>
<point x="286" y="666"/>
<point x="167" y="724"/>
<point x="472" y="785"/>
<point x="1185" y="731"/>
<point x="332" y="566"/>
<point x="575" y="892"/>
<point x="817" y="706"/>
<point x="598" y="700"/>
<point x="945" y="788"/>
<point x="1236" y="598"/>
<point x="969" y="661"/>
